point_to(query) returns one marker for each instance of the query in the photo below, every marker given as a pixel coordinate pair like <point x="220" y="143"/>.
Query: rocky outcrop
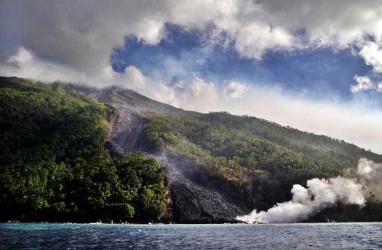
<point x="197" y="197"/>
<point x="195" y="204"/>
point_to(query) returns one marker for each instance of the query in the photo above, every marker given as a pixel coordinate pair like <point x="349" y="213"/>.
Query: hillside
<point x="217" y="165"/>
<point x="231" y="163"/>
<point x="54" y="166"/>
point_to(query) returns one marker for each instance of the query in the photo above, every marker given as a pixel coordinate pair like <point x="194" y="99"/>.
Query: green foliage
<point x="263" y="159"/>
<point x="53" y="164"/>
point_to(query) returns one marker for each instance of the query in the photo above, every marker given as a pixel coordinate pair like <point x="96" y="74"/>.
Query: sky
<point x="312" y="65"/>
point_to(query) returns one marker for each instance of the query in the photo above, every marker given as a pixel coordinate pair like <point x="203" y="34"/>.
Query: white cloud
<point x="379" y="87"/>
<point x="233" y="89"/>
<point x="22" y="56"/>
<point x="151" y="31"/>
<point x="25" y="64"/>
<point x="80" y="34"/>
<point x="255" y="39"/>
<point x="83" y="33"/>
<point x="363" y="83"/>
<point x="372" y="54"/>
<point x="198" y="95"/>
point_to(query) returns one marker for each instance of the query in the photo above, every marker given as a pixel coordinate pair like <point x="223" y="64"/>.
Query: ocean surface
<point x="272" y="236"/>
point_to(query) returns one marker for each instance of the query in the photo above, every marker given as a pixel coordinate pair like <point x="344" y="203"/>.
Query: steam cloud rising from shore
<point x="370" y="176"/>
<point x="322" y="193"/>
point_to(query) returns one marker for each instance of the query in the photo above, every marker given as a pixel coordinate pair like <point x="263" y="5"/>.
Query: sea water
<point x="235" y="236"/>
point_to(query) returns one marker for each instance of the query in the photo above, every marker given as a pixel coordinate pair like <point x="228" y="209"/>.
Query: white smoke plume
<point x="370" y="176"/>
<point x="319" y="194"/>
<point x="322" y="193"/>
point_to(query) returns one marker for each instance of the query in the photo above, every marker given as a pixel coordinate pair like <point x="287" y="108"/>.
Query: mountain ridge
<point x="219" y="165"/>
<point x="169" y="109"/>
<point x="333" y="157"/>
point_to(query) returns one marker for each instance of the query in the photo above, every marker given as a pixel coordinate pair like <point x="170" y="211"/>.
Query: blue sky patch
<point x="318" y="73"/>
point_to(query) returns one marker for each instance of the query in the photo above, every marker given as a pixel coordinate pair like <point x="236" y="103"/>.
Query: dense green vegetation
<point x="262" y="159"/>
<point x="54" y="166"/>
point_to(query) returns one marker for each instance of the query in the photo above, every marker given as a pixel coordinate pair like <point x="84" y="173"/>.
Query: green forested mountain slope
<point x="262" y="158"/>
<point x="53" y="164"/>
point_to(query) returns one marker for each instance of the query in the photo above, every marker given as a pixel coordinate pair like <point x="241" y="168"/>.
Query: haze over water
<point x="269" y="236"/>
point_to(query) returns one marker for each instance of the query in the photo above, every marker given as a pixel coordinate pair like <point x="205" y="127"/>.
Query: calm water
<point x="283" y="236"/>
